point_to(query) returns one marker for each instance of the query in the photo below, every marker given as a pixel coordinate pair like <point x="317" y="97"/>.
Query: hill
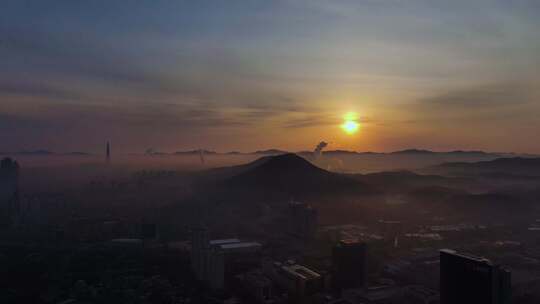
<point x="230" y="171"/>
<point x="293" y="175"/>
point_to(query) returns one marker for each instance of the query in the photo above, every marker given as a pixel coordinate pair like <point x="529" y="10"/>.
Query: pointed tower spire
<point x="108" y="152"/>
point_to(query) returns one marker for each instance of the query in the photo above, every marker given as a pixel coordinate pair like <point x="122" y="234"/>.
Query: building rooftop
<point x="127" y="241"/>
<point x="239" y="245"/>
<point x="224" y="241"/>
<point x="350" y="242"/>
<point x="301" y="272"/>
<point x="467" y="256"/>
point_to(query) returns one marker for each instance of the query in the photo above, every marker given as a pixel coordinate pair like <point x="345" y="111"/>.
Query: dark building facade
<point x="108" y="152"/>
<point x="9" y="192"/>
<point x="349" y="258"/>
<point x="469" y="279"/>
<point x="302" y="220"/>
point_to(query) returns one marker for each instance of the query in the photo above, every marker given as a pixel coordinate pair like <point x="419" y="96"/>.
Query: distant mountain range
<point x="303" y="153"/>
<point x="192" y="152"/>
<point x="44" y="153"/>
<point x="401" y="153"/>
<point x="498" y="168"/>
<point x="269" y="152"/>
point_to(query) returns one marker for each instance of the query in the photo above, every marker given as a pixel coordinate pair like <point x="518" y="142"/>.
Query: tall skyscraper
<point x="469" y="279"/>
<point x="349" y="258"/>
<point x="200" y="246"/>
<point x="108" y="152"/>
<point x="302" y="220"/>
<point x="9" y="191"/>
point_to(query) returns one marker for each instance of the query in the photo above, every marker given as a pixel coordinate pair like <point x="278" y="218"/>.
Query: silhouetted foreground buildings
<point x="240" y="266"/>
<point x="470" y="279"/>
<point x="252" y="273"/>
<point x="297" y="280"/>
<point x="121" y="241"/>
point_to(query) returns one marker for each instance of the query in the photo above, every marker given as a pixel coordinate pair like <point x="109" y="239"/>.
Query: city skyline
<point x="270" y="152"/>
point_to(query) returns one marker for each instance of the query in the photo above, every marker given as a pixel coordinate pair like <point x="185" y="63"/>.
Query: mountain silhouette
<point x="221" y="173"/>
<point x="414" y="151"/>
<point x="32" y="153"/>
<point x="194" y="152"/>
<point x="295" y="176"/>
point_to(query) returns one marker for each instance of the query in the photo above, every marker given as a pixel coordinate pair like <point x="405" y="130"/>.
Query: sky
<point x="249" y="75"/>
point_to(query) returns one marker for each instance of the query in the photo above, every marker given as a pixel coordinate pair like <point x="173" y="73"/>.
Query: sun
<point x="350" y="125"/>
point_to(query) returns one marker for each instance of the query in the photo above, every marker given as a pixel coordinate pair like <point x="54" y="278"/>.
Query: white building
<point x="214" y="260"/>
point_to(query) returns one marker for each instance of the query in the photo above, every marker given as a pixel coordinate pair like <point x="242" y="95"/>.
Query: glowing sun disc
<point x="350" y="126"/>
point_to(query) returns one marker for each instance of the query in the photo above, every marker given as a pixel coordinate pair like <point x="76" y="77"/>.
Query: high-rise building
<point x="215" y="261"/>
<point x="108" y="152"/>
<point x="300" y="281"/>
<point x="9" y="191"/>
<point x="149" y="231"/>
<point x="470" y="279"/>
<point x="199" y="250"/>
<point x="349" y="258"/>
<point x="256" y="286"/>
<point x="302" y="220"/>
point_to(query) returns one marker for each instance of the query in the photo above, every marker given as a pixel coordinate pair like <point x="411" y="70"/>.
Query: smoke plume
<point x="319" y="148"/>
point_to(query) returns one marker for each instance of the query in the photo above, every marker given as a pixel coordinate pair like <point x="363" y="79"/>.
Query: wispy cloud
<point x="308" y="120"/>
<point x="492" y="95"/>
<point x="35" y="90"/>
<point x="45" y="55"/>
